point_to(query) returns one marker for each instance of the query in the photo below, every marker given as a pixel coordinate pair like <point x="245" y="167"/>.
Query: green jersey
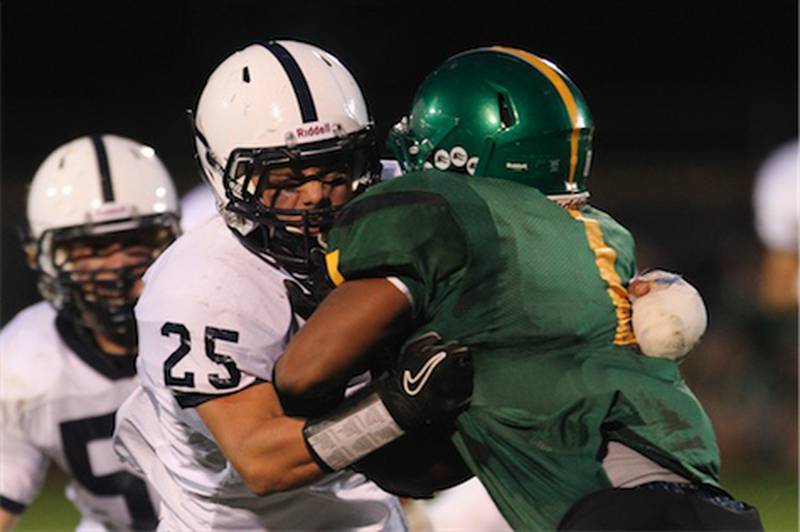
<point x="538" y="293"/>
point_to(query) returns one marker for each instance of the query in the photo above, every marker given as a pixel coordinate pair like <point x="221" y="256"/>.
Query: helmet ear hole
<point x="31" y="255"/>
<point x="507" y="118"/>
<point x="29" y="244"/>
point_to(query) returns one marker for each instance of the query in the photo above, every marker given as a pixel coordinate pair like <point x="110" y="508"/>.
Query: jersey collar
<point x="79" y="340"/>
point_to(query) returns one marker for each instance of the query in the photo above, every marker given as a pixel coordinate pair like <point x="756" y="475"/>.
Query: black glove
<point x="431" y="381"/>
<point x="430" y="384"/>
<point x="418" y="464"/>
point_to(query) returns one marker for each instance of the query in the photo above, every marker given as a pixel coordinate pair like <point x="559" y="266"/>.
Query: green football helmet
<point x="504" y="113"/>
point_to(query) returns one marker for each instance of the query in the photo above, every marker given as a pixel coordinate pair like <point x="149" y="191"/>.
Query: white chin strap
<point x="570" y="201"/>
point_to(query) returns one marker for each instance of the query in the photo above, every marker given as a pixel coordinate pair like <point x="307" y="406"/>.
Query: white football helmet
<point x="281" y="104"/>
<point x="98" y="190"/>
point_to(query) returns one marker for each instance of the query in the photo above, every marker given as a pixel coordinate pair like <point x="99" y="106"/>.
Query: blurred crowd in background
<point x="745" y="369"/>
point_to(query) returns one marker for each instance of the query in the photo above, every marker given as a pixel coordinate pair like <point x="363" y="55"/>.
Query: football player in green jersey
<point x="489" y="241"/>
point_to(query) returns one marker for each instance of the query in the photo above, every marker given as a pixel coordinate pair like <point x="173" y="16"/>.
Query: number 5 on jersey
<point x="212" y="334"/>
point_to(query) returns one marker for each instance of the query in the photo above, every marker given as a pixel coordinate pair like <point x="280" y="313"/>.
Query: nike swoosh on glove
<point x="430" y="382"/>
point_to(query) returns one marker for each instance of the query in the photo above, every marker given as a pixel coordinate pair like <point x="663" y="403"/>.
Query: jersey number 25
<point x="212" y="334"/>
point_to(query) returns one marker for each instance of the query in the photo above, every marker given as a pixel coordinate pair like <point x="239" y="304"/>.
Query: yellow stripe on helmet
<point x="563" y="90"/>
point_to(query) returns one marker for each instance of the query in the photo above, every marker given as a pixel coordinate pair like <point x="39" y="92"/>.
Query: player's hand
<point x="431" y="382"/>
<point x="669" y="316"/>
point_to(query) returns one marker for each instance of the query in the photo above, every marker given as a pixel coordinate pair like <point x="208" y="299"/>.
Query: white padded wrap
<point x="352" y="432"/>
<point x="670" y="319"/>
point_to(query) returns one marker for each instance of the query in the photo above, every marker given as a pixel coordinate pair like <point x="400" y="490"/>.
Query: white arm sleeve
<point x="22" y="465"/>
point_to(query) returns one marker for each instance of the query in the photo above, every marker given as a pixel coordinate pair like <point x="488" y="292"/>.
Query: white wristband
<point x="347" y="435"/>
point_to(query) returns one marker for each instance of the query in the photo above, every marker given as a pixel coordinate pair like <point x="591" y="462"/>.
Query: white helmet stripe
<point x="308" y="110"/>
<point x="105" y="169"/>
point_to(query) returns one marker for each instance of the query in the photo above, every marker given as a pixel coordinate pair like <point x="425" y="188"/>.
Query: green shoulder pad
<point x="402" y="228"/>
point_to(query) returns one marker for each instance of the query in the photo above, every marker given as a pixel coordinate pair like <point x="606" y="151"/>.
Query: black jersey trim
<point x="105" y="169"/>
<point x="13" y="507"/>
<point x="299" y="83"/>
<point x="80" y="342"/>
<point x="193" y="399"/>
<point x="386" y="200"/>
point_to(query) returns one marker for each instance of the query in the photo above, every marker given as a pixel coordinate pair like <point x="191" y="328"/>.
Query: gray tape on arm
<point x="351" y="432"/>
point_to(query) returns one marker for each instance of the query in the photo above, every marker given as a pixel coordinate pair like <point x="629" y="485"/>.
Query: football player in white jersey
<point x="199" y="204"/>
<point x="775" y="211"/>
<point x="99" y="210"/>
<point x="283" y="137"/>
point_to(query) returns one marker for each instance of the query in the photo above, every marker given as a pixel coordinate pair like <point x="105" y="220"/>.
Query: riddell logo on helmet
<point x="313" y="131"/>
<point x="109" y="211"/>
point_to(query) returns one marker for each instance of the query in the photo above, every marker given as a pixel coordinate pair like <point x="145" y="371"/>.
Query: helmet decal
<point x="499" y="112"/>
<point x="566" y="96"/>
<point x="307" y="109"/>
<point x="441" y="159"/>
<point x="457" y="159"/>
<point x="458" y="156"/>
<point x="102" y="166"/>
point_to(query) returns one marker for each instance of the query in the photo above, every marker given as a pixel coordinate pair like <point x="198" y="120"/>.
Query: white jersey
<point x="197" y="206"/>
<point x="465" y="507"/>
<point x="58" y="396"/>
<point x="212" y="320"/>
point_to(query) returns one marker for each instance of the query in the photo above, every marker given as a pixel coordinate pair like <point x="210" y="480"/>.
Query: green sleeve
<point x="408" y="234"/>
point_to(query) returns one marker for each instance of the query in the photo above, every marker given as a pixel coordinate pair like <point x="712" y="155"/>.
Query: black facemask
<point x="102" y="299"/>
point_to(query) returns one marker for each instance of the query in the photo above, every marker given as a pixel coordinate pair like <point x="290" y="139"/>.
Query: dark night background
<point x="688" y="97"/>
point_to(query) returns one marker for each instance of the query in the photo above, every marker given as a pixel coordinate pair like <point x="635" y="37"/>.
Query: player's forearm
<point x="275" y="458"/>
<point x="340" y="335"/>
<point x="265" y="446"/>
<point x="7" y="520"/>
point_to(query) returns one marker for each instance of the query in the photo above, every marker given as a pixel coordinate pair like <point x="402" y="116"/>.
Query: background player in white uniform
<point x="197" y="206"/>
<point x="283" y="136"/>
<point x="100" y="209"/>
<point x="775" y="205"/>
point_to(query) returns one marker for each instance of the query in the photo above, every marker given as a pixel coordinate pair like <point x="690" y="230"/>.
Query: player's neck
<point x="110" y="347"/>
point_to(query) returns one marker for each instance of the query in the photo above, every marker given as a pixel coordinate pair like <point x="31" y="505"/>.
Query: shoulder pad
<point x="31" y="354"/>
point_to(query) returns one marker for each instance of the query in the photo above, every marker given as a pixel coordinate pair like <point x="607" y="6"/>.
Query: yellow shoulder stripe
<point x="332" y="265"/>
<point x="604" y="258"/>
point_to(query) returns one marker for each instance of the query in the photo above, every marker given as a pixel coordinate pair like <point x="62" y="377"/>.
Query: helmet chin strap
<point x="294" y="229"/>
<point x="570" y="201"/>
<point x="308" y="271"/>
<point x="291" y="247"/>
